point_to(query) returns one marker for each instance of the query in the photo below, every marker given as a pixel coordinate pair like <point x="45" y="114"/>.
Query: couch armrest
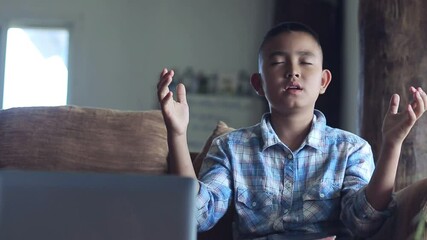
<point x="411" y="209"/>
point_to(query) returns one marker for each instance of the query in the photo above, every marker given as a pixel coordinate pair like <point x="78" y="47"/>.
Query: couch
<point x="73" y="138"/>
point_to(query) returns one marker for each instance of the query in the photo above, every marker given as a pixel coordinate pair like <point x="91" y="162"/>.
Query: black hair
<point x="287" y="27"/>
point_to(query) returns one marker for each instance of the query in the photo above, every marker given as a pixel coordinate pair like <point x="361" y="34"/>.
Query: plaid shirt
<point x="317" y="189"/>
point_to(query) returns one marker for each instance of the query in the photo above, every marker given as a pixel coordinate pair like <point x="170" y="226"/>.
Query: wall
<point x="118" y="48"/>
<point x="351" y="73"/>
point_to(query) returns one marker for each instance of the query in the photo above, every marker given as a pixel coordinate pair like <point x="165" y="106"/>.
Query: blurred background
<point x="104" y="53"/>
<point x="108" y="54"/>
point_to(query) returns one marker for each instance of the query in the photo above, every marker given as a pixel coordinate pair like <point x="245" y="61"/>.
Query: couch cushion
<point x="77" y="138"/>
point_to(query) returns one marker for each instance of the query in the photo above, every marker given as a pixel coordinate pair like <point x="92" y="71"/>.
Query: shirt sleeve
<point x="357" y="214"/>
<point x="215" y="192"/>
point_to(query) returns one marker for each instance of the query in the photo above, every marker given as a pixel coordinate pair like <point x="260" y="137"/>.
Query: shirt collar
<point x="315" y="137"/>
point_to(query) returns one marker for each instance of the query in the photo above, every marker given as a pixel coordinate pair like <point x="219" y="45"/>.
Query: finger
<point x="411" y="115"/>
<point x="164" y="71"/>
<point x="423" y="97"/>
<point x="418" y="104"/>
<point x="164" y="101"/>
<point x="163" y="92"/>
<point x="164" y="75"/>
<point x="163" y="86"/>
<point x="394" y="104"/>
<point x="181" y="93"/>
<point x="163" y="89"/>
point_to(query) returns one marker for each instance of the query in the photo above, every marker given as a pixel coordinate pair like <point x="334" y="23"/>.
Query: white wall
<point x="119" y="47"/>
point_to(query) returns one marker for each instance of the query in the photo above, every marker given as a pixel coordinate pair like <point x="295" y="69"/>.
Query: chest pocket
<point x="254" y="199"/>
<point x="254" y="208"/>
<point x="322" y="201"/>
<point x="322" y="191"/>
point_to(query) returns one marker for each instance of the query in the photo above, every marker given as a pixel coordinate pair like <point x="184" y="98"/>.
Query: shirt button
<point x="290" y="157"/>
<point x="253" y="204"/>
<point x="322" y="195"/>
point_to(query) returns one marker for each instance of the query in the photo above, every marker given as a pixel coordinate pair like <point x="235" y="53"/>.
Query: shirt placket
<point x="288" y="185"/>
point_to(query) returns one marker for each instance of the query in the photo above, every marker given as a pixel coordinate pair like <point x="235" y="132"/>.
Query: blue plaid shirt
<point x="317" y="189"/>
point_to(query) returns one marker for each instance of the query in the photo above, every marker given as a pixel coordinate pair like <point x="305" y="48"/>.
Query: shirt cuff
<point x="369" y="213"/>
<point x="202" y="196"/>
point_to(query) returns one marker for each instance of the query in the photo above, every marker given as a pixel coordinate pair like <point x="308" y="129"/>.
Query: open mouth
<point x="293" y="87"/>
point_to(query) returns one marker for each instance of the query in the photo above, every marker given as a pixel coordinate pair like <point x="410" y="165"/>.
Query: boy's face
<point x="291" y="75"/>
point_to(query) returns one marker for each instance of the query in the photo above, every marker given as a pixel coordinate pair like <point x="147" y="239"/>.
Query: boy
<point x="291" y="176"/>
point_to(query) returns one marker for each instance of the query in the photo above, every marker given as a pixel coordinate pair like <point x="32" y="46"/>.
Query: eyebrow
<point x="300" y="53"/>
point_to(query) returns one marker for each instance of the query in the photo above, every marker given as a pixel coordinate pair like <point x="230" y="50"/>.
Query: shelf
<point x="207" y="110"/>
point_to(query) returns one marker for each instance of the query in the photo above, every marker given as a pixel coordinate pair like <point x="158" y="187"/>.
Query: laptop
<point x="80" y="206"/>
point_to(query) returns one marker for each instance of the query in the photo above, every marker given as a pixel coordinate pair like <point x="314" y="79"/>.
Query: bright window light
<point x="36" y="67"/>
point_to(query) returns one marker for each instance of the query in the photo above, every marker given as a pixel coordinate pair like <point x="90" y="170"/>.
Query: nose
<point x="292" y="71"/>
<point x="292" y="75"/>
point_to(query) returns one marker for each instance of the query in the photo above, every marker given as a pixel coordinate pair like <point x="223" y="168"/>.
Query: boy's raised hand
<point x="397" y="125"/>
<point x="175" y="113"/>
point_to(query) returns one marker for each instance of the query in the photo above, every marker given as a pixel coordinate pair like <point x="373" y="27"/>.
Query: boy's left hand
<point x="396" y="126"/>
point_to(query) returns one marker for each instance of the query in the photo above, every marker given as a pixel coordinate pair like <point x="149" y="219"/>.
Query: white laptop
<point x="79" y="206"/>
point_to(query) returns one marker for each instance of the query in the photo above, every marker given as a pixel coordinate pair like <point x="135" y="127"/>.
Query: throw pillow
<point x="220" y="129"/>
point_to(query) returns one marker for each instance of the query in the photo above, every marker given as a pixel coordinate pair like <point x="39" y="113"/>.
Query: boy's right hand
<point x="397" y="125"/>
<point x="175" y="113"/>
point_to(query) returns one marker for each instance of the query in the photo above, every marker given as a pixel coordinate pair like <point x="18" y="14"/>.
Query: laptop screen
<point x="58" y="205"/>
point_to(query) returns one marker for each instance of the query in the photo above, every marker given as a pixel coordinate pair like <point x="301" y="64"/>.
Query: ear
<point x="326" y="79"/>
<point x="256" y="82"/>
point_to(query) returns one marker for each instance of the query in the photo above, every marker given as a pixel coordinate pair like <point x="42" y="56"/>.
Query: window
<point x="36" y="67"/>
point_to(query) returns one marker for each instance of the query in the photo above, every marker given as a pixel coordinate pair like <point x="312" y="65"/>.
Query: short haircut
<point x="287" y="27"/>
